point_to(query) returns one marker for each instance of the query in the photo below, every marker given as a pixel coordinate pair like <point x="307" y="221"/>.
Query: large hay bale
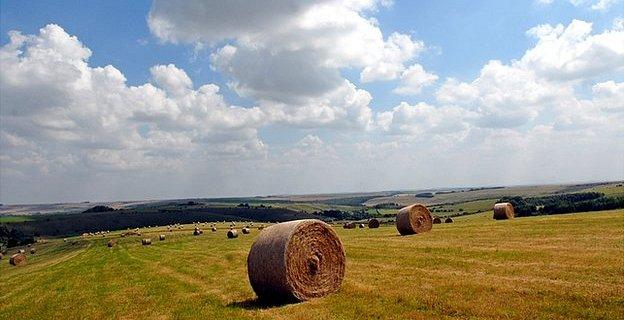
<point x="437" y="220"/>
<point x="231" y="234"/>
<point x="373" y="223"/>
<point x="349" y="225"/>
<point x="296" y="260"/>
<point x="413" y="219"/>
<point x="161" y="237"/>
<point x="245" y="230"/>
<point x="503" y="210"/>
<point x="146" y="241"/>
<point x="17" y="259"/>
<point x="448" y="220"/>
<point x="111" y="243"/>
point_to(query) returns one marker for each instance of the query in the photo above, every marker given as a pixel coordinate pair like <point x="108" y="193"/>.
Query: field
<point x="549" y="267"/>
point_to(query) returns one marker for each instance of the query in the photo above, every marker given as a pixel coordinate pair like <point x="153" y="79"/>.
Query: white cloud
<point x="609" y="96"/>
<point x="572" y="52"/>
<point x="290" y="62"/>
<point x="413" y="79"/>
<point x="55" y="103"/>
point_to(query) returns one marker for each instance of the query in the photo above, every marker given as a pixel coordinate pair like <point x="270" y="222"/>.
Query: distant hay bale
<point x="64" y="240"/>
<point x="349" y="225"/>
<point x="231" y="234"/>
<point x="111" y="243"/>
<point x="214" y="229"/>
<point x="245" y="230"/>
<point x="33" y="250"/>
<point x="361" y="225"/>
<point x="197" y="232"/>
<point x="161" y="237"/>
<point x="503" y="210"/>
<point x="260" y="227"/>
<point x="413" y="219"/>
<point x="22" y="251"/>
<point x="296" y="260"/>
<point x="437" y="220"/>
<point x="17" y="259"/>
<point x="146" y="241"/>
<point x="448" y="220"/>
<point x="373" y="223"/>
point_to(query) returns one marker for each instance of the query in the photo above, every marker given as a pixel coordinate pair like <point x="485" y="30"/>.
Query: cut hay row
<point x="296" y="260"/>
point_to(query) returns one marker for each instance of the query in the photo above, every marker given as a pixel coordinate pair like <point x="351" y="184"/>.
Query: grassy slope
<point x="565" y="266"/>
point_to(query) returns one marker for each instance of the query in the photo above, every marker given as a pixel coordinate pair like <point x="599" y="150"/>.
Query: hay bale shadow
<point x="258" y="304"/>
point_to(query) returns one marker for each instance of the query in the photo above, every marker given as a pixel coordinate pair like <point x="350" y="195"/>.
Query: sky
<point x="123" y="100"/>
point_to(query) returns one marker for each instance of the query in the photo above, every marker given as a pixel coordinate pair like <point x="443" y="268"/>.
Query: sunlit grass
<point x="564" y="266"/>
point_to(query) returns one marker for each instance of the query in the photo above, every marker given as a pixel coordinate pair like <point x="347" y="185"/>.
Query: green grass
<point x="547" y="267"/>
<point x="11" y="219"/>
<point x="612" y="190"/>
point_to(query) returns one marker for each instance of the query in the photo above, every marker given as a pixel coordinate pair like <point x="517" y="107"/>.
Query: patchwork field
<point x="550" y="267"/>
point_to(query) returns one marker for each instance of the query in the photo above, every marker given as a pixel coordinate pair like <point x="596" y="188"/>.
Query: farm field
<point x="551" y="267"/>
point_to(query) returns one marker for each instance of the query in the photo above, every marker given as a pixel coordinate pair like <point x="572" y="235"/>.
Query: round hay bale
<point x="197" y="232"/>
<point x="503" y="211"/>
<point x="231" y="234"/>
<point x="260" y="227"/>
<point x="373" y="223"/>
<point x="437" y="220"/>
<point x="214" y="229"/>
<point x="349" y="225"/>
<point x="22" y="251"/>
<point x="64" y="240"/>
<point x="111" y="243"/>
<point x="17" y="259"/>
<point x="146" y="241"/>
<point x="413" y="219"/>
<point x="361" y="225"/>
<point x="245" y="230"/>
<point x="296" y="260"/>
<point x="33" y="250"/>
<point x="161" y="237"/>
<point x="448" y="220"/>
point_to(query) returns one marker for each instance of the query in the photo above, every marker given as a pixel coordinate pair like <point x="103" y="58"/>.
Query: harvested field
<point x="562" y="267"/>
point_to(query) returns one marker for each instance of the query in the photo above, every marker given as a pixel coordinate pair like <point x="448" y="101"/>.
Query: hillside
<point x="564" y="266"/>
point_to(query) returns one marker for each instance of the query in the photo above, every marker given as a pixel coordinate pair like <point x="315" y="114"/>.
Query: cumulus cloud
<point x="54" y="102"/>
<point x="413" y="79"/>
<point x="572" y="52"/>
<point x="289" y="55"/>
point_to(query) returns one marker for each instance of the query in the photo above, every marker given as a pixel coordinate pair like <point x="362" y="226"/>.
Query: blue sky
<point x="458" y="39"/>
